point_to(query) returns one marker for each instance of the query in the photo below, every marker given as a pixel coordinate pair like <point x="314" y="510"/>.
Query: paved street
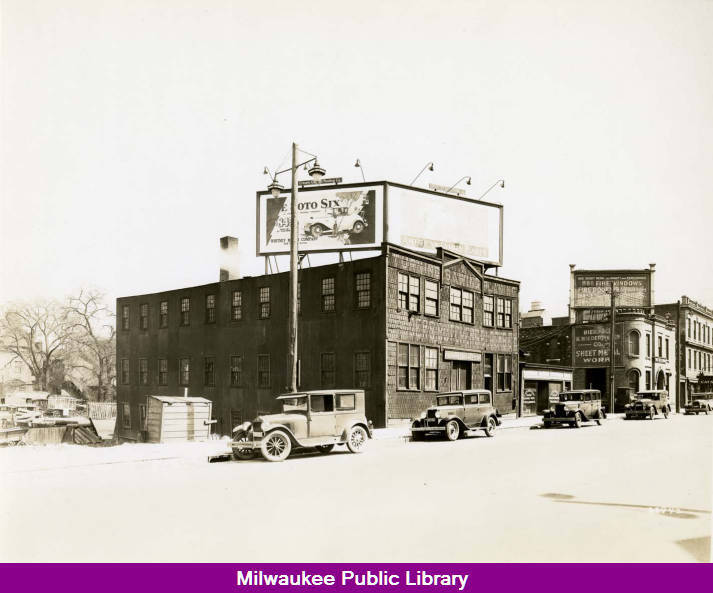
<point x="626" y="491"/>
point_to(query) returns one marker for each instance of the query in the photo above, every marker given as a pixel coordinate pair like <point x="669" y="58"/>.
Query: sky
<point x="134" y="133"/>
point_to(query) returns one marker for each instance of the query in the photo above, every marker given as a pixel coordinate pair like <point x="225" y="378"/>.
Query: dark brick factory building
<point x="402" y="325"/>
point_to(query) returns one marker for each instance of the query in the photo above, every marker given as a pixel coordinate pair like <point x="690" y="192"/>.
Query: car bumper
<point x="428" y="428"/>
<point x="559" y="420"/>
<point x="637" y="414"/>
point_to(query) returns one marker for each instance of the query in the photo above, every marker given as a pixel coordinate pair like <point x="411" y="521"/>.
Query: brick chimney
<point x="229" y="259"/>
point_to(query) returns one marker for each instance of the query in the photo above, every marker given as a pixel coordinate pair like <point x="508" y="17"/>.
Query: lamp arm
<point x="296" y="166"/>
<point x="499" y="181"/>
<point x="419" y="173"/>
<point x="457" y="182"/>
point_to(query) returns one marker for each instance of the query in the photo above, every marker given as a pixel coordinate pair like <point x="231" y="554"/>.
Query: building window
<point x="431" y="364"/>
<point x="648" y="379"/>
<point x="163" y="314"/>
<point x="264" y="300"/>
<point x="210" y="308"/>
<point x="163" y="371"/>
<point x="660" y="347"/>
<point x="688" y="326"/>
<point x="126" y="415"/>
<point x="504" y="372"/>
<point x="488" y="311"/>
<point x="461" y="305"/>
<point x="236" y="307"/>
<point x="125" y="371"/>
<point x="144" y="316"/>
<point x="688" y="352"/>
<point x="409" y="292"/>
<point x="504" y="312"/>
<point x="125" y="317"/>
<point x="634" y="339"/>
<point x="263" y="370"/>
<point x="185" y="366"/>
<point x="209" y="372"/>
<point x="648" y="345"/>
<point x="236" y="371"/>
<point x="488" y="372"/>
<point x="508" y="313"/>
<point x="634" y="379"/>
<point x="328" y="302"/>
<point x="185" y="311"/>
<point x="362" y="283"/>
<point x="143" y="371"/>
<point x="327" y="369"/>
<point x="431" y="303"/>
<point x="408" y="367"/>
<point x="362" y="369"/>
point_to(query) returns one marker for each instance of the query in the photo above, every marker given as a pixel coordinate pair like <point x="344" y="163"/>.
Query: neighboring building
<point x="645" y="343"/>
<point x="541" y="385"/>
<point x="403" y="326"/>
<point x="536" y="317"/>
<point x="15" y="375"/>
<point x="695" y="338"/>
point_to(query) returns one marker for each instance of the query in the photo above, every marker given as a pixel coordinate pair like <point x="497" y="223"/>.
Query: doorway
<point x="461" y="375"/>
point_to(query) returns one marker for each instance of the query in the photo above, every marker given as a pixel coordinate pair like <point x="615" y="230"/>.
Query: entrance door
<point x="461" y="375"/>
<point x="597" y="379"/>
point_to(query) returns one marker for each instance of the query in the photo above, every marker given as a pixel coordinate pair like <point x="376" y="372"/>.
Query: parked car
<point x="309" y="419"/>
<point x="337" y="220"/>
<point x="648" y="404"/>
<point x="575" y="407"/>
<point x="701" y="402"/>
<point x="456" y="413"/>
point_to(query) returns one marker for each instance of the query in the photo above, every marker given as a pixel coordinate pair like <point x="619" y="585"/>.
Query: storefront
<point x="541" y="385"/>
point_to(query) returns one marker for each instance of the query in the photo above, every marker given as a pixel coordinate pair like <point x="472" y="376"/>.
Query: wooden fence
<point x="102" y="410"/>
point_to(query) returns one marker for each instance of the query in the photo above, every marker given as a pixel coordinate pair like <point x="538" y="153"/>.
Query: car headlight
<point x="627" y="405"/>
<point x="422" y="416"/>
<point x="437" y="414"/>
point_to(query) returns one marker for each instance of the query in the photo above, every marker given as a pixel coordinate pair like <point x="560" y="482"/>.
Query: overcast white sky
<point x="134" y="133"/>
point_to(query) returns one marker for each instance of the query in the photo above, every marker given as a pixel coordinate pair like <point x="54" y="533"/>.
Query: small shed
<point x="172" y="419"/>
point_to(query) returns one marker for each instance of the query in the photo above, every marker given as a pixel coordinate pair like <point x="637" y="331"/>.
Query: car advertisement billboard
<point x="334" y="219"/>
<point x="631" y="289"/>
<point x="424" y="220"/>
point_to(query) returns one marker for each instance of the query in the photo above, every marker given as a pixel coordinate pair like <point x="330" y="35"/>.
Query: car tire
<point x="324" y="449"/>
<point x="599" y="417"/>
<point x="358" y="227"/>
<point x="665" y="412"/>
<point x="276" y="446"/>
<point x="490" y="427"/>
<point x="357" y="438"/>
<point x="577" y="420"/>
<point x="317" y="230"/>
<point x="652" y="413"/>
<point x="452" y="430"/>
<point x="547" y="424"/>
<point x="245" y="454"/>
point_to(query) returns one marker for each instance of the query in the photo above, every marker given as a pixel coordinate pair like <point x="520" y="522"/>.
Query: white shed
<point x="177" y="419"/>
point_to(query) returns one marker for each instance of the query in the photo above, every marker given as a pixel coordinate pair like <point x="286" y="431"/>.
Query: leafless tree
<point x="39" y="334"/>
<point x="93" y="336"/>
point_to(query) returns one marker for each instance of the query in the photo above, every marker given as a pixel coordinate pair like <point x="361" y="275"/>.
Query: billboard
<point x="424" y="220"/>
<point x="631" y="288"/>
<point x="335" y="219"/>
<point x="591" y="345"/>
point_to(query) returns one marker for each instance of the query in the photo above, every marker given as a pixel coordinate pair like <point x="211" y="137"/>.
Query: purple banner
<point x="224" y="578"/>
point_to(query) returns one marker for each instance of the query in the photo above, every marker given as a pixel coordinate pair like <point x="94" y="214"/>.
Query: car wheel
<point x="652" y="413"/>
<point x="490" y="427"/>
<point x="276" y="446"/>
<point x="324" y="449"/>
<point x="577" y="420"/>
<point x="356" y="441"/>
<point x="358" y="226"/>
<point x="317" y="230"/>
<point x="245" y="454"/>
<point x="452" y="430"/>
<point x="665" y="412"/>
<point x="706" y="411"/>
<point x="599" y="417"/>
<point x="547" y="424"/>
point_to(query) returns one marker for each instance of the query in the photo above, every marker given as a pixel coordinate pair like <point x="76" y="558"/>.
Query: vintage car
<point x="336" y="221"/>
<point x="456" y="413"/>
<point x="648" y="404"/>
<point x="575" y="407"/>
<point x="309" y="419"/>
<point x="701" y="402"/>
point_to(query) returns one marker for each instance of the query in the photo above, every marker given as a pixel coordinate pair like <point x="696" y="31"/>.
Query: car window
<point x="346" y="401"/>
<point x="484" y="398"/>
<point x="322" y="403"/>
<point x="587" y="397"/>
<point x="471" y="399"/>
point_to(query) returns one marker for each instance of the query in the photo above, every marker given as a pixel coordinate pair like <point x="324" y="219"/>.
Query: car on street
<point x="456" y="413"/>
<point x="701" y="402"/>
<point x="339" y="220"/>
<point x="309" y="419"/>
<point x="648" y="404"/>
<point x="574" y="408"/>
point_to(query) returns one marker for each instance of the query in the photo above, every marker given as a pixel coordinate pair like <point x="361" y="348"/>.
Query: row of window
<point x="497" y="311"/>
<point x="699" y="361"/>
<point x="662" y="347"/>
<point x="362" y="371"/>
<point x="362" y="300"/>
<point x="699" y="331"/>
<point x="415" y="373"/>
<point x="635" y="379"/>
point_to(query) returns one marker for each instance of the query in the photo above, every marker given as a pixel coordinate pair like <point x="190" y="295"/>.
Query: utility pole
<point x="293" y="274"/>
<point x="612" y="349"/>
<point x="654" y="343"/>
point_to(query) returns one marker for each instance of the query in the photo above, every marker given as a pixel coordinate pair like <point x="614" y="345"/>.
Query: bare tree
<point x="93" y="336"/>
<point x="39" y="334"/>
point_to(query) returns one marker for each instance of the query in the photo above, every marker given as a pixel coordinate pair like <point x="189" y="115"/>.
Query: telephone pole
<point x="612" y="349"/>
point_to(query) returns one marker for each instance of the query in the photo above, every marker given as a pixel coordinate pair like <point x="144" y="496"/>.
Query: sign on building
<point x="632" y="289"/>
<point x="592" y="345"/>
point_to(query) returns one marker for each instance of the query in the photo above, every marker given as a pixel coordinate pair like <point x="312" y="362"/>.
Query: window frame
<point x="209" y="371"/>
<point x="236" y="305"/>
<point x="430" y="300"/>
<point x="328" y="372"/>
<point x="506" y="384"/>
<point x="184" y="372"/>
<point x="328" y="294"/>
<point x="185" y="310"/>
<point x="125" y="317"/>
<point x="162" y="374"/>
<point x="125" y="372"/>
<point x="430" y="371"/>
<point x="264" y="309"/>
<point x="236" y="370"/>
<point x="163" y="315"/>
<point x="489" y="314"/>
<point x="264" y="376"/>
<point x="143" y="371"/>
<point x="143" y="316"/>
<point x="410" y="349"/>
<point x="459" y="306"/>
<point x="362" y="376"/>
<point x="210" y="308"/>
<point x="365" y="284"/>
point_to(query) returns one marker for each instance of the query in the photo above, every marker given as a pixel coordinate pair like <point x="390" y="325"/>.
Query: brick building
<point x="402" y="325"/>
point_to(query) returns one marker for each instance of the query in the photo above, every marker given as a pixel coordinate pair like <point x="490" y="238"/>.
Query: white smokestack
<point x="229" y="259"/>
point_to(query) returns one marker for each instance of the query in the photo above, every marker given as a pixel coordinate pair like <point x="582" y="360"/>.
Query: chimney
<point x="229" y="259"/>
